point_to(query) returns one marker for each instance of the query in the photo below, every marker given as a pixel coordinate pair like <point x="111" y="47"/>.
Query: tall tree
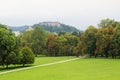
<point x="26" y="38"/>
<point x="7" y="43"/>
<point x="116" y="40"/>
<point x="89" y="40"/>
<point x="52" y="45"/>
<point x="39" y="38"/>
<point x="104" y="41"/>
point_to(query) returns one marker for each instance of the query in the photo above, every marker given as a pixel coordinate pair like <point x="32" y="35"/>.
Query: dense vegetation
<point x="103" y="41"/>
<point x="98" y="42"/>
<point x="10" y="51"/>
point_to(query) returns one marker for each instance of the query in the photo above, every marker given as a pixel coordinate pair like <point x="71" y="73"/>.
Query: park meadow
<point x="93" y="54"/>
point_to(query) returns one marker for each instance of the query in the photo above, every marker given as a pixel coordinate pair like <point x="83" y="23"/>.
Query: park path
<point x="39" y="65"/>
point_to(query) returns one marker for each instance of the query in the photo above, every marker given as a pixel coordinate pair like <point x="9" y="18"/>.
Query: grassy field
<point x="38" y="61"/>
<point x="82" y="69"/>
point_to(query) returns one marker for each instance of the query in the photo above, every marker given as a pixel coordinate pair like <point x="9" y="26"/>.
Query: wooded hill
<point x="49" y="26"/>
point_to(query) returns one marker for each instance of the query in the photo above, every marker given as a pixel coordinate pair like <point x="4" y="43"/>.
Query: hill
<point x="49" y="26"/>
<point x="18" y="28"/>
<point x="56" y="27"/>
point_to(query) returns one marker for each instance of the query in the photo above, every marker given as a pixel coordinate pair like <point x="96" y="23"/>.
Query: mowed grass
<point x="44" y="60"/>
<point x="38" y="61"/>
<point x="82" y="69"/>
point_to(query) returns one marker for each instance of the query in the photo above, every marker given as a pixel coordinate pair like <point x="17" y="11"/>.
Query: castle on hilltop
<point x="50" y="24"/>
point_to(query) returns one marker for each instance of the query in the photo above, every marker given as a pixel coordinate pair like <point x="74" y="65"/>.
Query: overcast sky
<point x="78" y="13"/>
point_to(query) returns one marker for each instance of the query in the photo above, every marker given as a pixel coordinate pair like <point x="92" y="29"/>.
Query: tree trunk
<point x="113" y="56"/>
<point x="106" y="55"/>
<point x="90" y="55"/>
<point x="95" y="55"/>
<point x="7" y="66"/>
<point x="35" y="55"/>
<point x="23" y="65"/>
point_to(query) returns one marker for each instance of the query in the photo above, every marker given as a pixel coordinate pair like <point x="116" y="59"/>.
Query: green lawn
<point x="82" y="69"/>
<point x="38" y="61"/>
<point x="44" y="60"/>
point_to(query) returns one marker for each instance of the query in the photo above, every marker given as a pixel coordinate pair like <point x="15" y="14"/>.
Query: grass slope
<point x="82" y="69"/>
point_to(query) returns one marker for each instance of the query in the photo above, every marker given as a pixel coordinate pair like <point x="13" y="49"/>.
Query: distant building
<point x="50" y="24"/>
<point x="29" y="29"/>
<point x="17" y="33"/>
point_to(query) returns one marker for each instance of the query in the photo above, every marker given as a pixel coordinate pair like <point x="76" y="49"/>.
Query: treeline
<point x="103" y="41"/>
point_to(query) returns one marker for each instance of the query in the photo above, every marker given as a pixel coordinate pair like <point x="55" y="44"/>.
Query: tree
<point x="7" y="43"/>
<point x="71" y="39"/>
<point x="61" y="45"/>
<point x="52" y="45"/>
<point x="68" y="43"/>
<point x="61" y="40"/>
<point x="27" y="56"/>
<point x="11" y="59"/>
<point x="89" y="40"/>
<point x="116" y="40"/>
<point x="34" y="39"/>
<point x="104" y="41"/>
<point x="26" y="39"/>
<point x="107" y="23"/>
<point x="39" y="38"/>
<point x="78" y="49"/>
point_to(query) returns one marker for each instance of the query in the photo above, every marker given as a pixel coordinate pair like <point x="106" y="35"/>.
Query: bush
<point x="27" y="56"/>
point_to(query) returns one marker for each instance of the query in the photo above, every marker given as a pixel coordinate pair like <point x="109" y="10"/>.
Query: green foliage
<point x="98" y="42"/>
<point x="116" y="40"/>
<point x="35" y="39"/>
<point x="27" y="56"/>
<point x="7" y="44"/>
<point x="11" y="59"/>
<point x="107" y="23"/>
<point x="39" y="38"/>
<point x="78" y="50"/>
<point x="9" y="49"/>
<point x="92" y="42"/>
<point x="26" y="38"/>
<point x="61" y="45"/>
<point x="89" y="41"/>
<point x="3" y="26"/>
<point x="104" y="41"/>
<point x="52" y="46"/>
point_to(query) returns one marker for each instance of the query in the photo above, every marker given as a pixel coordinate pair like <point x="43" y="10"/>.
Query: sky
<point x="77" y="13"/>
